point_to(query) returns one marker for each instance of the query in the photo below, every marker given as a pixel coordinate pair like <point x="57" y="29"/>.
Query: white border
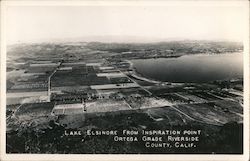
<point x="121" y="157"/>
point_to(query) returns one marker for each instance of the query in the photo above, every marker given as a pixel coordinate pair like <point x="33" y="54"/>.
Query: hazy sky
<point x="141" y="23"/>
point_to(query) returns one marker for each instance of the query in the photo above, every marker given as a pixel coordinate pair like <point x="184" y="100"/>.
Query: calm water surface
<point x="192" y="68"/>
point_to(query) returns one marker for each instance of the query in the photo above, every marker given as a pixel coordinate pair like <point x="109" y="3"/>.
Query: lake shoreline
<point x="142" y="76"/>
<point x="139" y="75"/>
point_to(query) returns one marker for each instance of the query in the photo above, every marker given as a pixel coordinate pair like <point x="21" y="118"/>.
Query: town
<point x="70" y="84"/>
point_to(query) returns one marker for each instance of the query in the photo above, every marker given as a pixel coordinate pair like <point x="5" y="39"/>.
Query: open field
<point x="106" y="105"/>
<point x="210" y="114"/>
<point x="168" y="115"/>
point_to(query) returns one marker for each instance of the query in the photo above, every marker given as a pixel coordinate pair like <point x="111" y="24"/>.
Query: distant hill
<point x="122" y="50"/>
<point x="175" y="46"/>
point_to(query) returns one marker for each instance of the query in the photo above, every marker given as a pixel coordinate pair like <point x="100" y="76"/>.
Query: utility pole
<point x="84" y="105"/>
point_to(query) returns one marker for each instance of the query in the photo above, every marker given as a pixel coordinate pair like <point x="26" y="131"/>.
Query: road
<point x="135" y="82"/>
<point x="193" y="119"/>
<point x="49" y="81"/>
<point x="14" y="113"/>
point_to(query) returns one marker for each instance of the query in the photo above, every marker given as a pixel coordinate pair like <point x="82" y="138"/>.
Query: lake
<point x="192" y="68"/>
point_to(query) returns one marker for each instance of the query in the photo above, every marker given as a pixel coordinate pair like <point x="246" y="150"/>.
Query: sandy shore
<point x="139" y="76"/>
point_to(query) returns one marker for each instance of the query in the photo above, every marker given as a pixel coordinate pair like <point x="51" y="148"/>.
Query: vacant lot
<point x="209" y="113"/>
<point x="168" y="115"/>
<point x="106" y="105"/>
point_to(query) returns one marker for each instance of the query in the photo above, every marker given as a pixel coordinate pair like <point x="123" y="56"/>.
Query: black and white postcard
<point x="127" y="80"/>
